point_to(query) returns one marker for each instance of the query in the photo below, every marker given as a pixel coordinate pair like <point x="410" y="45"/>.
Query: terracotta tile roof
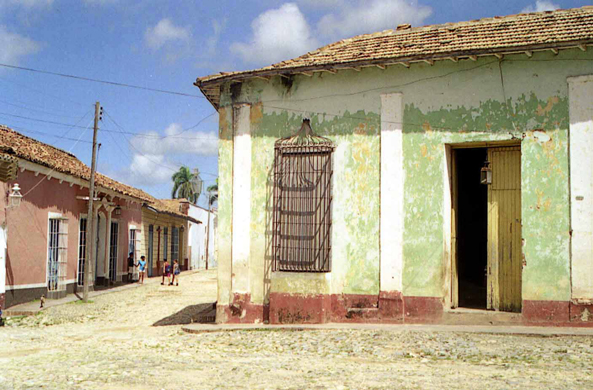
<point x="172" y="207"/>
<point x="14" y="144"/>
<point x="21" y="146"/>
<point x="514" y="33"/>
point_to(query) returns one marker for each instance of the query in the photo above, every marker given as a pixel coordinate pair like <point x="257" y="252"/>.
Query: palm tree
<point x="186" y="184"/>
<point x="212" y="193"/>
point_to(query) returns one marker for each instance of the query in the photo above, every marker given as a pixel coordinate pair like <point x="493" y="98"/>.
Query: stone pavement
<point x="33" y="307"/>
<point x="113" y="343"/>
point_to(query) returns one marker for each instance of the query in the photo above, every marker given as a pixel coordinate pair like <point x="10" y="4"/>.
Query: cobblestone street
<point x="111" y="344"/>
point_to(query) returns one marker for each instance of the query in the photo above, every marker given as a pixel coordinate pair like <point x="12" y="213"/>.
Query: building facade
<point x="202" y="236"/>
<point x="165" y="234"/>
<point x="44" y="240"/>
<point x="445" y="174"/>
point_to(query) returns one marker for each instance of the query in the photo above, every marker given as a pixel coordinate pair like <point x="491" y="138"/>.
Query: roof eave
<point x="243" y="76"/>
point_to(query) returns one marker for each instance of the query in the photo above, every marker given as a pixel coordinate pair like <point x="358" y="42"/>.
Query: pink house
<point x="43" y="240"/>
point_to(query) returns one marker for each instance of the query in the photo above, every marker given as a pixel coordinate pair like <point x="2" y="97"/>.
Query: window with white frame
<point x="134" y="243"/>
<point x="57" y="257"/>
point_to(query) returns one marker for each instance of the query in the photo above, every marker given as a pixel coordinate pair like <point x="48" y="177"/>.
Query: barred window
<point x="302" y="202"/>
<point x="175" y="244"/>
<point x="57" y="258"/>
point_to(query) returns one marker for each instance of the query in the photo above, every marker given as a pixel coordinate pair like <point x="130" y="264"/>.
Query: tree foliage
<point x="186" y="185"/>
<point x="212" y="193"/>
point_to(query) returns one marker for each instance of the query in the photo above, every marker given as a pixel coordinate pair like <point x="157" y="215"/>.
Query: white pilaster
<point x="241" y="197"/>
<point x="392" y="192"/>
<point x="580" y="95"/>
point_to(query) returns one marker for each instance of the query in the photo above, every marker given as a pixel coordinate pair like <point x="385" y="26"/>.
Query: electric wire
<point x="25" y="130"/>
<point x="100" y="81"/>
<point x="169" y="167"/>
<point x="69" y="151"/>
<point x="38" y="110"/>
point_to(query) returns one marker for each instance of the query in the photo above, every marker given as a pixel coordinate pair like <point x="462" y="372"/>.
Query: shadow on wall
<point x="203" y="313"/>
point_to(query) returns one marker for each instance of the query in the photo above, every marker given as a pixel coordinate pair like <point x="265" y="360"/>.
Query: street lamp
<point x="15" y="196"/>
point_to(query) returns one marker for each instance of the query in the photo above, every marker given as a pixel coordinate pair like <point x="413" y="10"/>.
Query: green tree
<point x="186" y="185"/>
<point x="212" y="193"/>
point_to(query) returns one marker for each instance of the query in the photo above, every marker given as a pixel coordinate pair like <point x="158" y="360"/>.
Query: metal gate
<point x="302" y="202"/>
<point x="113" y="251"/>
<point x="81" y="251"/>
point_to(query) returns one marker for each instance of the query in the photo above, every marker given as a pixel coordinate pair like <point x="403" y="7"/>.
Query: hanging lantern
<point x="15" y="196"/>
<point x="486" y="173"/>
<point x="117" y="211"/>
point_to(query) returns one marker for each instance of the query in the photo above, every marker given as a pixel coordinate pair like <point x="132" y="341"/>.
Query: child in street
<point x="176" y="272"/>
<point x="131" y="267"/>
<point x="166" y="272"/>
<point x="142" y="269"/>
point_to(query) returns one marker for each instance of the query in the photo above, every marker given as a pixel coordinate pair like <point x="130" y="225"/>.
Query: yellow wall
<point x="162" y="221"/>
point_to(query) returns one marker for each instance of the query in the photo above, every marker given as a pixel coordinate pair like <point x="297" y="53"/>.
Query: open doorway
<point x="472" y="228"/>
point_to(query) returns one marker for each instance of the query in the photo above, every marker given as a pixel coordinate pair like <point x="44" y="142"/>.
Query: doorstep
<point x="484" y="329"/>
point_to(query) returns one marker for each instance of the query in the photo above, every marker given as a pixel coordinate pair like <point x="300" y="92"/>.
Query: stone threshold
<point x="502" y="330"/>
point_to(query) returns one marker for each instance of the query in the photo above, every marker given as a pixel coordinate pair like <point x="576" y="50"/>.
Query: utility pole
<point x="88" y="261"/>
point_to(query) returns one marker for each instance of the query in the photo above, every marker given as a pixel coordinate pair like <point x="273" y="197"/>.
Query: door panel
<point x="504" y="230"/>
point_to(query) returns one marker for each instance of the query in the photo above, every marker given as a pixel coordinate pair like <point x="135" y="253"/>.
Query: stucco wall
<point x="197" y="238"/>
<point x="160" y="252"/>
<point x="27" y="231"/>
<point x="485" y="100"/>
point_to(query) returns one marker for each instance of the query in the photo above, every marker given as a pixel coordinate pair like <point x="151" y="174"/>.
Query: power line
<point x="115" y="131"/>
<point x="100" y="81"/>
<point x="145" y="156"/>
<point x="62" y="98"/>
<point x="47" y="134"/>
<point x="133" y="147"/>
<point x="69" y="151"/>
<point x="38" y="110"/>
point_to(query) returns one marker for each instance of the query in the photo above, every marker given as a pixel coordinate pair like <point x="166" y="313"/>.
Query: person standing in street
<point x="142" y="269"/>
<point x="166" y="272"/>
<point x="176" y="272"/>
<point x="131" y="266"/>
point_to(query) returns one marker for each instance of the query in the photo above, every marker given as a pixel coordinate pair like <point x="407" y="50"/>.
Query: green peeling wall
<point x="447" y="103"/>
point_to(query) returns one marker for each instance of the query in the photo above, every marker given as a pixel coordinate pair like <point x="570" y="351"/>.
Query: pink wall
<point x="27" y="226"/>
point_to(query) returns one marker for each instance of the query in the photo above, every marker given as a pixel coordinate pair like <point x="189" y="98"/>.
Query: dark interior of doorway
<point x="472" y="228"/>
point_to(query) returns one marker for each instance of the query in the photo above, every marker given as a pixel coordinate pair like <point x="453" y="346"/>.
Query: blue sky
<point x="166" y="45"/>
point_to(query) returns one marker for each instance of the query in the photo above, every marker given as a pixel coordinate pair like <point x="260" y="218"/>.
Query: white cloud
<point x="321" y="3"/>
<point x="212" y="41"/>
<point x="100" y="2"/>
<point x="198" y="143"/>
<point x="165" y="32"/>
<point x="27" y="3"/>
<point x="151" y="164"/>
<point x="278" y="34"/>
<point x="149" y="170"/>
<point x="540" y="6"/>
<point x="15" y="46"/>
<point x="371" y="16"/>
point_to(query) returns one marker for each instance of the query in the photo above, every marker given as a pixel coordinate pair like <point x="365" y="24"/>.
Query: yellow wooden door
<point x="504" y="229"/>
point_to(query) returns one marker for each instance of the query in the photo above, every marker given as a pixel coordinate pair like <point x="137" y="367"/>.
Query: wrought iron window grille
<point x="302" y="218"/>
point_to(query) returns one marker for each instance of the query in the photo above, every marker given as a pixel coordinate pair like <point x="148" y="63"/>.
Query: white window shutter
<point x="62" y="254"/>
